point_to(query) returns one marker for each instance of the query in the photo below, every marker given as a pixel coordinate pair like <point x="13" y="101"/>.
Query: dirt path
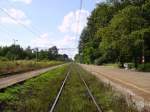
<point x="137" y="83"/>
<point x="8" y="81"/>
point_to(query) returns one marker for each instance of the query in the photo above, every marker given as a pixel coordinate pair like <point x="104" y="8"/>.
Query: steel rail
<point x="62" y="87"/>
<point x="18" y="78"/>
<point x="90" y="93"/>
<point x="7" y="74"/>
<point x="59" y="93"/>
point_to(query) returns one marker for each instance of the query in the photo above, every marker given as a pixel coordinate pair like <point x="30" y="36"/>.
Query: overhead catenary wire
<point x="21" y="24"/>
<point x="35" y="31"/>
<point x="78" y="18"/>
<point x="6" y="31"/>
<point x="34" y="27"/>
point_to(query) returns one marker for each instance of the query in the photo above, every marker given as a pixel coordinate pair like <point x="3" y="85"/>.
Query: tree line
<point x="117" y="31"/>
<point x="16" y="52"/>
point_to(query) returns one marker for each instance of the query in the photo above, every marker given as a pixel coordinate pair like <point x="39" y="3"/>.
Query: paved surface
<point x="137" y="82"/>
<point x="11" y="80"/>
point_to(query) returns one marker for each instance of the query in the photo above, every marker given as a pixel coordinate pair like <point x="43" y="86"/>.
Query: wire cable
<point x="34" y="27"/>
<point x="21" y="24"/>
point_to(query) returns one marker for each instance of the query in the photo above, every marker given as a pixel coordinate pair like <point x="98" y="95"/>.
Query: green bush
<point x="28" y="96"/>
<point x="130" y="65"/>
<point x="3" y="59"/>
<point x="120" y="65"/>
<point x="144" y="67"/>
<point x="100" y="61"/>
<point x="25" y="65"/>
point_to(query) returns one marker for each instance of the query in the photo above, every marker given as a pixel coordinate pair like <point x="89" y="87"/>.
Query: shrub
<point x="144" y="67"/>
<point x="24" y="65"/>
<point x="100" y="61"/>
<point x="3" y="59"/>
<point x="28" y="96"/>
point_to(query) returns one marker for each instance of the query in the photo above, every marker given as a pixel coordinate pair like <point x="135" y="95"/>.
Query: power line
<point x="67" y="49"/>
<point x="37" y="30"/>
<point x="60" y="48"/>
<point x="78" y="18"/>
<point x="21" y="24"/>
<point x="78" y="21"/>
<point x="33" y="26"/>
<point x="14" y="40"/>
<point x="81" y="3"/>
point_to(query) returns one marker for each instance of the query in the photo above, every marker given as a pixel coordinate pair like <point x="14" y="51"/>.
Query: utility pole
<point x="143" y="52"/>
<point x="14" y="41"/>
<point x="36" y="50"/>
<point x="143" y="46"/>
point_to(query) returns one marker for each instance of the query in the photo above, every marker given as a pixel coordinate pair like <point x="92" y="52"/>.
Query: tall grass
<point x="24" y="65"/>
<point x="75" y="97"/>
<point x="38" y="94"/>
<point x="109" y="100"/>
<point x="35" y="95"/>
<point x="144" y="67"/>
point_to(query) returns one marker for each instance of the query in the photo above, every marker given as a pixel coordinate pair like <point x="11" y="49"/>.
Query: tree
<point x="89" y="39"/>
<point x="52" y="53"/>
<point x="117" y="31"/>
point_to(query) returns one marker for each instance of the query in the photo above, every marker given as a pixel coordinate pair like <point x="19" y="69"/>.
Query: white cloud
<point x="24" y="1"/>
<point x="99" y="1"/>
<point x="67" y="42"/>
<point x="70" y="21"/>
<point x="17" y="14"/>
<point x="45" y="42"/>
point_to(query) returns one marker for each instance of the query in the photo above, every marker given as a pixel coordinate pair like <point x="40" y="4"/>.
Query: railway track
<point x="4" y="75"/>
<point x="59" y="93"/>
<point x="90" y="93"/>
<point x="52" y="109"/>
<point x="17" y="78"/>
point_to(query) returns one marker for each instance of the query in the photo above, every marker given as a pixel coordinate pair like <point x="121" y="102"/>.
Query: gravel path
<point x="11" y="80"/>
<point x="138" y="83"/>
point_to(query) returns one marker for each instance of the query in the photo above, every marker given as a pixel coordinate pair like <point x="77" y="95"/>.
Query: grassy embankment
<point x="24" y="65"/>
<point x="34" y="95"/>
<point x="37" y="94"/>
<point x="75" y="97"/>
<point x="109" y="100"/>
<point x="112" y="65"/>
<point x="144" y="67"/>
<point x="141" y="67"/>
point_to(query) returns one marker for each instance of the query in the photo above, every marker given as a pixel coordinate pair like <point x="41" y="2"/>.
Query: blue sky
<point x="53" y="21"/>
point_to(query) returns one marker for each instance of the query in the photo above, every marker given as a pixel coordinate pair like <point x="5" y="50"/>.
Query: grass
<point x="144" y="67"/>
<point x="113" y="65"/>
<point x="109" y="100"/>
<point x="34" y="95"/>
<point x="38" y="94"/>
<point x="24" y="65"/>
<point x="141" y="67"/>
<point x="75" y="97"/>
